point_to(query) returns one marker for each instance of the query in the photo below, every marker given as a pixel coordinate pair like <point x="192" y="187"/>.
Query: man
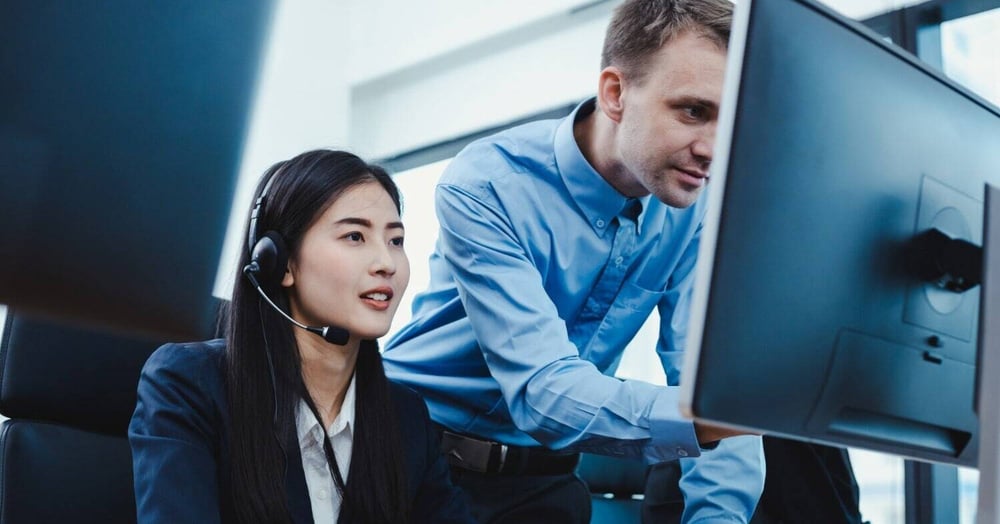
<point x="557" y="240"/>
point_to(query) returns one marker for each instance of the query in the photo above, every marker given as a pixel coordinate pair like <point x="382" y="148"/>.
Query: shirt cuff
<point x="673" y="435"/>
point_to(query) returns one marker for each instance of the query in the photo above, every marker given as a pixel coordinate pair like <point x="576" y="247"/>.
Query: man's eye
<point x="398" y="241"/>
<point x="696" y="112"/>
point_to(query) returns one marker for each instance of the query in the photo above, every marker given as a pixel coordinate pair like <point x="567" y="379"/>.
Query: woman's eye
<point x="354" y="237"/>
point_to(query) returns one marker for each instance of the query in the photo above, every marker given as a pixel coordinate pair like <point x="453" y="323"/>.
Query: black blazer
<point x="180" y="455"/>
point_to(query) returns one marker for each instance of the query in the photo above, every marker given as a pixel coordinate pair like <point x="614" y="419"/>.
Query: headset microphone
<point x="331" y="334"/>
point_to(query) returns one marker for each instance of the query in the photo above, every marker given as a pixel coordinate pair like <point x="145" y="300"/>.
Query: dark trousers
<point x="807" y="483"/>
<point x="663" y="502"/>
<point x="563" y="498"/>
<point x="525" y="499"/>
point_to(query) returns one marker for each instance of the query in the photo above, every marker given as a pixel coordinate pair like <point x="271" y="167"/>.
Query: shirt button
<point x="599" y="223"/>
<point x="682" y="452"/>
<point x="323" y="494"/>
<point x="619" y="260"/>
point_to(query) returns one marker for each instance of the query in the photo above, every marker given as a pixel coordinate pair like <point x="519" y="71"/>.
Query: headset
<point x="269" y="261"/>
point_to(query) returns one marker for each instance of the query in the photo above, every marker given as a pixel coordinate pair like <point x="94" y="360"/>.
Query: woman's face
<point x="350" y="269"/>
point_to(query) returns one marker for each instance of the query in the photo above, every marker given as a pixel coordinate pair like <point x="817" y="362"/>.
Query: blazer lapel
<point x="295" y="484"/>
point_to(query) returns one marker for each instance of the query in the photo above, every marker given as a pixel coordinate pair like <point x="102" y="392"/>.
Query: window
<point x="416" y="186"/>
<point x="968" y="52"/>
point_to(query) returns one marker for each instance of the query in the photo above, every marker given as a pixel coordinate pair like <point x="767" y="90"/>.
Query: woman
<point x="291" y="418"/>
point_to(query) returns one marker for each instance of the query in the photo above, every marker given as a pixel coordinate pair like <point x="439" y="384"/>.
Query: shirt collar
<point x="596" y="198"/>
<point x="309" y="428"/>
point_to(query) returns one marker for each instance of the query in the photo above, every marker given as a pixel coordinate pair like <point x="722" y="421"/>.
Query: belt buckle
<point x="503" y="456"/>
<point x="471" y="453"/>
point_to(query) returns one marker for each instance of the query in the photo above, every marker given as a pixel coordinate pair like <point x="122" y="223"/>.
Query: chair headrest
<point x="70" y="374"/>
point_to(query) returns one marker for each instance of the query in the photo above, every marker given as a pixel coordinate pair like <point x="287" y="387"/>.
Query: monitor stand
<point x="988" y="367"/>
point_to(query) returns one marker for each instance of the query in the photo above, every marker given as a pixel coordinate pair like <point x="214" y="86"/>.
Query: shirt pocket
<point x="624" y="319"/>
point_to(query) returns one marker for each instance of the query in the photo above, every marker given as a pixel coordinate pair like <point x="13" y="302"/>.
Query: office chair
<point x="69" y="392"/>
<point x="614" y="484"/>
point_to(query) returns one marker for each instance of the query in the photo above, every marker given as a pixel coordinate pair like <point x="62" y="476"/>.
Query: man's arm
<point x="552" y="394"/>
<point x="724" y="483"/>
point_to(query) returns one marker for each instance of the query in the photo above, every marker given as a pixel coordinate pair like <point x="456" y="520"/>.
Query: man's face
<point x="667" y="127"/>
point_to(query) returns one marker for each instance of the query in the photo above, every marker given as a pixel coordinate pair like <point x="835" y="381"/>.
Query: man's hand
<point x="708" y="435"/>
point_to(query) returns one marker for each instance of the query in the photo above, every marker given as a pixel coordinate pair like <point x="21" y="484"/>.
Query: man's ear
<point x="611" y="92"/>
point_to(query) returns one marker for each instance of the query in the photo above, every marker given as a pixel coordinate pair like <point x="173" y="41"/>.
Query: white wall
<point x="389" y="35"/>
<point x="422" y="72"/>
<point x="502" y="63"/>
<point x="301" y="104"/>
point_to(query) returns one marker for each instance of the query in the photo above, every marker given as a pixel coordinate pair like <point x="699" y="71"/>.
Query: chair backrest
<point x="55" y="473"/>
<point x="69" y="392"/>
<point x="616" y="487"/>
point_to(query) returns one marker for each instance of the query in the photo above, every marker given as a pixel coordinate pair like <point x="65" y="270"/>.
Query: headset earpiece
<point x="268" y="263"/>
<point x="270" y="255"/>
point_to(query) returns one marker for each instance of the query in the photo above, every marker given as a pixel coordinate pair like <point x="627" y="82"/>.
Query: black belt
<point x="485" y="456"/>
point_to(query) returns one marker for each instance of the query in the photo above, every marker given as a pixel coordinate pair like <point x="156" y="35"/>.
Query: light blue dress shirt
<point x="541" y="276"/>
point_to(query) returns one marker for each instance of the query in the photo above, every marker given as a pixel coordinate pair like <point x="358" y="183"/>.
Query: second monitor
<point x="815" y="315"/>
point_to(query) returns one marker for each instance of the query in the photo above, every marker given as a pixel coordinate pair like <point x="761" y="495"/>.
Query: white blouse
<point x="322" y="489"/>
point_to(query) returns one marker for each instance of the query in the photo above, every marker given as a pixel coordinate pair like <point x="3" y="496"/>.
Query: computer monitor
<point x="121" y="132"/>
<point x="817" y="313"/>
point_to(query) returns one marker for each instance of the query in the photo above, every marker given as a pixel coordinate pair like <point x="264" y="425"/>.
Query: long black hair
<point x="262" y="414"/>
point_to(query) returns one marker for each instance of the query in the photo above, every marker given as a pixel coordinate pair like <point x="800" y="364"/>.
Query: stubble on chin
<point x="678" y="197"/>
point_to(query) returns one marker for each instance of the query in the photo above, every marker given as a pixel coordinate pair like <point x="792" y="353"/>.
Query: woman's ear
<point x="289" y="278"/>
<point x="611" y="92"/>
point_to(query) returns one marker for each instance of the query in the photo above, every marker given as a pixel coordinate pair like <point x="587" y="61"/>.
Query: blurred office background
<point x="410" y="82"/>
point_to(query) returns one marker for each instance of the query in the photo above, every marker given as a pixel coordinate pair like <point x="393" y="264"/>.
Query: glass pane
<point x="416" y="187"/>
<point x="968" y="481"/>
<point x="640" y="360"/>
<point x="968" y="52"/>
<point x="860" y="9"/>
<point x="880" y="482"/>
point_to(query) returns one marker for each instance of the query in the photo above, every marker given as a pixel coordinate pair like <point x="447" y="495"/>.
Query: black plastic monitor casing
<point x="835" y="150"/>
<point x="121" y="132"/>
